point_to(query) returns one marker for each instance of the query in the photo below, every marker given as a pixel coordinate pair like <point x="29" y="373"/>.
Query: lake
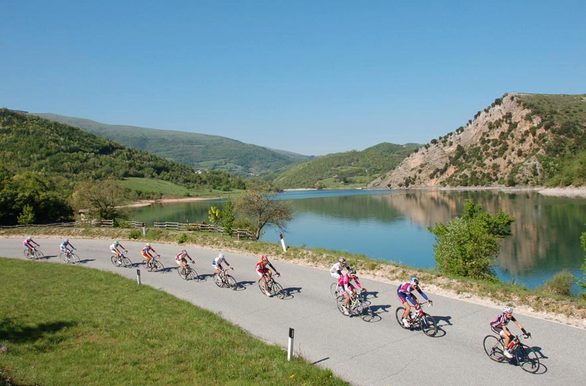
<point x="392" y="226"/>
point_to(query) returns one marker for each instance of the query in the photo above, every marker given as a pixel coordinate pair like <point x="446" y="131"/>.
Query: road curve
<point x="370" y="354"/>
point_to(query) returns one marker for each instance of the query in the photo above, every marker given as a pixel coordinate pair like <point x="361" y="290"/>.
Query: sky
<point x="310" y="77"/>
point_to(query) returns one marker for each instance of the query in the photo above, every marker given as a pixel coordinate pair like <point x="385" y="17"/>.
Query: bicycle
<point x="525" y="356"/>
<point x="273" y="288"/>
<point x="358" y="306"/>
<point x="154" y="264"/>
<point x="335" y="289"/>
<point x="225" y="280"/>
<point x="69" y="257"/>
<point x="35" y="255"/>
<point x="189" y="273"/>
<point x="122" y="261"/>
<point x="419" y="319"/>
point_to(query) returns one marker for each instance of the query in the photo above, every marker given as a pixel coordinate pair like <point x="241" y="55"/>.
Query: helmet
<point x="264" y="258"/>
<point x="147" y="245"/>
<point x="414" y="280"/>
<point x="507" y="310"/>
<point x="116" y="242"/>
<point x="352" y="271"/>
<point x="342" y="260"/>
<point x="29" y="238"/>
<point x="66" y="240"/>
<point x="221" y="255"/>
<point x="184" y="252"/>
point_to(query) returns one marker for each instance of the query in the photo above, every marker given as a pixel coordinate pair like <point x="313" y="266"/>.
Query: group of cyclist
<point x="406" y="294"/>
<point x="405" y="291"/>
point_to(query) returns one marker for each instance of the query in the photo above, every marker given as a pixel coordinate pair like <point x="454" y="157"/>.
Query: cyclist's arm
<point x="423" y="294"/>
<point x="274" y="269"/>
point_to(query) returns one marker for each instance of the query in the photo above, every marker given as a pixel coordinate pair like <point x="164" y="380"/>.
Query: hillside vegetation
<point x="521" y="139"/>
<point x="353" y="168"/>
<point x="199" y="151"/>
<point x="42" y="160"/>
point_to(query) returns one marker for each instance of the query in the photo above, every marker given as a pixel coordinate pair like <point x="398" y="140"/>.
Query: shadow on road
<point x="290" y="291"/>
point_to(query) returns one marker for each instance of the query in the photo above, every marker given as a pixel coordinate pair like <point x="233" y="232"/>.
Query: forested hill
<point x="520" y="139"/>
<point x="32" y="144"/>
<point x="199" y="151"/>
<point x="353" y="168"/>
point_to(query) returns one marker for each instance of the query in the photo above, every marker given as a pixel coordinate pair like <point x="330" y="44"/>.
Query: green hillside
<point x="199" y="151"/>
<point x="349" y="169"/>
<point x="42" y="160"/>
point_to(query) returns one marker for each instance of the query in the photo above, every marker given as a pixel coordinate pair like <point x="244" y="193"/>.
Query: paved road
<point x="374" y="354"/>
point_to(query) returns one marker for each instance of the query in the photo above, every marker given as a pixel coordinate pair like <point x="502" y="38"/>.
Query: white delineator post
<point x="283" y="243"/>
<point x="290" y="347"/>
<point x="138" y="276"/>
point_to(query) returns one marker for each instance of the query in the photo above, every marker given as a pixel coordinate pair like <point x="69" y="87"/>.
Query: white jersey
<point x="219" y="260"/>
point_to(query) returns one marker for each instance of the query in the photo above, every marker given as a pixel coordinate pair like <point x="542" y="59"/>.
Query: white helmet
<point x="221" y="256"/>
<point x="507" y="310"/>
<point x="147" y="245"/>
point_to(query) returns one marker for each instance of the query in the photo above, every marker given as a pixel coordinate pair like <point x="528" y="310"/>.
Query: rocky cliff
<point x="501" y="146"/>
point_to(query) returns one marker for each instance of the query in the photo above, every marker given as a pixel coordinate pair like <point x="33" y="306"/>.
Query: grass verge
<point x="68" y="325"/>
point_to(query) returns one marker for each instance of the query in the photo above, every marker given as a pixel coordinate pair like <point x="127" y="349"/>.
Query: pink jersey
<point x="345" y="279"/>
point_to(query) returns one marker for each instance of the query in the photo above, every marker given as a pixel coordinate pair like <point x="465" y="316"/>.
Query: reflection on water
<point x="393" y="226"/>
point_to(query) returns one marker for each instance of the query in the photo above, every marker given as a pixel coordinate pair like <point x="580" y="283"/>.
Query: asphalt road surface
<point x="370" y="354"/>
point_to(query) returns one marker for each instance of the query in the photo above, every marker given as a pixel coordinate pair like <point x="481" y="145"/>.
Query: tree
<point x="468" y="245"/>
<point x="264" y="209"/>
<point x="102" y="198"/>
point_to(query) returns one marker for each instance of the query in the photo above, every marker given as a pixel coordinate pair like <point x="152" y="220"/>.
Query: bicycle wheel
<point x="27" y="254"/>
<point x="126" y="262"/>
<point x="158" y="266"/>
<point x="334" y="290"/>
<point x="192" y="275"/>
<point x="399" y="315"/>
<point x="527" y="358"/>
<point x="115" y="261"/>
<point x="232" y="283"/>
<point x="428" y="325"/>
<point x="493" y="347"/>
<point x="277" y="290"/>
<point x="218" y="280"/>
<point x="38" y="254"/>
<point x="261" y="286"/>
<point x="357" y="307"/>
<point x="74" y="258"/>
<point x="340" y="303"/>
<point x="63" y="257"/>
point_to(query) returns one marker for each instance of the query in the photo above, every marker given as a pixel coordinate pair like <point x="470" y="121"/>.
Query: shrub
<point x="561" y="284"/>
<point x="135" y="234"/>
<point x="182" y="238"/>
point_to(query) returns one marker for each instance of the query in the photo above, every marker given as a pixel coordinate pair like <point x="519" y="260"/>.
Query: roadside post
<point x="290" y="347"/>
<point x="143" y="229"/>
<point x="138" y="276"/>
<point x="283" y="243"/>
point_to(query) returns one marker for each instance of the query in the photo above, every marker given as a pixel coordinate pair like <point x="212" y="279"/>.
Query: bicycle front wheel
<point x="232" y="283"/>
<point x="158" y="266"/>
<point x="428" y="325"/>
<point x="493" y="347"/>
<point x="74" y="258"/>
<point x="277" y="290"/>
<point x="399" y="316"/>
<point x="527" y="358"/>
<point x="126" y="262"/>
<point x="192" y="275"/>
<point x="39" y="254"/>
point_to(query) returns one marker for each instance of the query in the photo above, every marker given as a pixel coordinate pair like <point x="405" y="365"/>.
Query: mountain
<point x="199" y="151"/>
<point x="355" y="168"/>
<point x="521" y="139"/>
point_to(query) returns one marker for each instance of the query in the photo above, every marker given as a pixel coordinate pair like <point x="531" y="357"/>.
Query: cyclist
<point x="348" y="289"/>
<point x="181" y="260"/>
<point x="65" y="247"/>
<point x="146" y="253"/>
<point x="30" y="244"/>
<point x="114" y="248"/>
<point x="217" y="263"/>
<point x="499" y="326"/>
<point x="264" y="272"/>
<point x="405" y="292"/>
<point x="336" y="270"/>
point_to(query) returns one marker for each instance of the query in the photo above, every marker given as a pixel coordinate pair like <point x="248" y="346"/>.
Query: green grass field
<point x="167" y="189"/>
<point x="69" y="325"/>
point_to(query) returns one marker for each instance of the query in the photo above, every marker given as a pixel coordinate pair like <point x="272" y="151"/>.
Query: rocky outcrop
<point x="499" y="147"/>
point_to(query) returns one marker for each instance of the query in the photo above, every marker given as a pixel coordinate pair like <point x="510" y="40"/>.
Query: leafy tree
<point x="102" y="198"/>
<point x="468" y="245"/>
<point x="228" y="218"/>
<point x="263" y="209"/>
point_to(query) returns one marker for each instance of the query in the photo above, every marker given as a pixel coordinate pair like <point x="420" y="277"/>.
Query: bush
<point x="182" y="238"/>
<point x="561" y="284"/>
<point x="135" y="234"/>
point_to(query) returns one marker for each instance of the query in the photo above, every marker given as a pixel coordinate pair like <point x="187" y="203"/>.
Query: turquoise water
<point x="392" y="226"/>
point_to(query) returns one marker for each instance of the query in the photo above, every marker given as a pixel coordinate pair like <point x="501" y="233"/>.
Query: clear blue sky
<point x="311" y="77"/>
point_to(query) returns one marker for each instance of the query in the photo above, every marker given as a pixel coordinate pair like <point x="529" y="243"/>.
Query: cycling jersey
<point x="345" y="282"/>
<point x="218" y="261"/>
<point x="179" y="257"/>
<point x="114" y="248"/>
<point x="405" y="289"/>
<point x="63" y="246"/>
<point x="261" y="267"/>
<point x="145" y="251"/>
<point x="501" y="321"/>
<point x="336" y="269"/>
